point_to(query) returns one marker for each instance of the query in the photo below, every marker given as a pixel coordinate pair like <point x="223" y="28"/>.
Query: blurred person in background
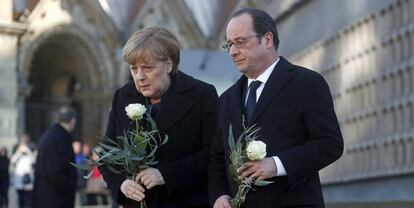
<point x="86" y="150"/>
<point x="4" y="178"/>
<point x="23" y="160"/>
<point x="81" y="182"/>
<point x="96" y="191"/>
<point x="55" y="177"/>
<point x="77" y="147"/>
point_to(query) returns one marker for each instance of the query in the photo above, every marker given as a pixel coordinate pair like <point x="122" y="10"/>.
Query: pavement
<point x="14" y="204"/>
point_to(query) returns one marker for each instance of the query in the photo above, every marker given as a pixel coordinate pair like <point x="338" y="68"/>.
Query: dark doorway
<point x="61" y="73"/>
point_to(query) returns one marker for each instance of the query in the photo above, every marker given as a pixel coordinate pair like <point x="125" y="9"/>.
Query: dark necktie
<point x="251" y="100"/>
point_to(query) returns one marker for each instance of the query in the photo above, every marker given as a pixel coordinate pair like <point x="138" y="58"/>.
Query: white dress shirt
<point x="263" y="79"/>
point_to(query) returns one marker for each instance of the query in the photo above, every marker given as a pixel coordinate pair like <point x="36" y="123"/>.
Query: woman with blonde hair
<point x="184" y="108"/>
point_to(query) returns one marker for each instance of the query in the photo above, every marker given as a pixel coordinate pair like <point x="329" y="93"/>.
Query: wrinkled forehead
<point x="239" y="26"/>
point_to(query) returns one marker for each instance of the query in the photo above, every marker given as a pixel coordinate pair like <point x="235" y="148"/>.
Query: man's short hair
<point x="66" y="114"/>
<point x="262" y="22"/>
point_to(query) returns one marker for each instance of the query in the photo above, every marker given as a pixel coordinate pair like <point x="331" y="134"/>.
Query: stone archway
<point x="64" y="69"/>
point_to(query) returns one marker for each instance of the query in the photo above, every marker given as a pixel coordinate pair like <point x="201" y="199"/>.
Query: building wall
<point x="174" y="16"/>
<point x="9" y="81"/>
<point x="368" y="61"/>
<point x="61" y="39"/>
<point x="309" y="21"/>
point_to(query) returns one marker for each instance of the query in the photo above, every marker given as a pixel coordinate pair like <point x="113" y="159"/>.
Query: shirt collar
<point x="265" y="75"/>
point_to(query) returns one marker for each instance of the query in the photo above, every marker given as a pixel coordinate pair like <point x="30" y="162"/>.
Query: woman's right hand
<point x="132" y="190"/>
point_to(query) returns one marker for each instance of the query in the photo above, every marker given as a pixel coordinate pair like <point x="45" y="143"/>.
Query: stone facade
<point x="369" y="66"/>
<point x="66" y="54"/>
<point x="172" y="15"/>
<point x="9" y="108"/>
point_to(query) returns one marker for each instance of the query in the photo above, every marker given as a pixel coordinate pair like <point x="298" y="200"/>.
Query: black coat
<point x="298" y="123"/>
<point x="188" y="115"/>
<point x="4" y="175"/>
<point x="55" y="177"/>
<point x="4" y="168"/>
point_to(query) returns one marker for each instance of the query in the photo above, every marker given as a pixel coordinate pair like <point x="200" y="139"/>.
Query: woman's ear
<point x="169" y="69"/>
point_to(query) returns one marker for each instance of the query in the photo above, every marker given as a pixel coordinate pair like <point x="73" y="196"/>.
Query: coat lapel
<point x="280" y="76"/>
<point x="237" y="104"/>
<point x="172" y="111"/>
<point x="175" y="105"/>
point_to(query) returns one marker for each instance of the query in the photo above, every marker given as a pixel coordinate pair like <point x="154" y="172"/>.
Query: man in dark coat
<point x="55" y="177"/>
<point x="294" y="109"/>
<point x="4" y="178"/>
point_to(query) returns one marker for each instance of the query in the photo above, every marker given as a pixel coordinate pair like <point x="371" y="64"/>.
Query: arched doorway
<point x="64" y="71"/>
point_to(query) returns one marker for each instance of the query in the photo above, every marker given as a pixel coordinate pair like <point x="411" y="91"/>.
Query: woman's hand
<point x="222" y="202"/>
<point x="150" y="177"/>
<point x="133" y="190"/>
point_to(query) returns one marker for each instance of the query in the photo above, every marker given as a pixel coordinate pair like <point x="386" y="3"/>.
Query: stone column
<point x="9" y="87"/>
<point x="6" y="10"/>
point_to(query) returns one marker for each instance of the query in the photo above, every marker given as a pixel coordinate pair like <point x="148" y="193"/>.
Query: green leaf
<point x="231" y="138"/>
<point x="239" y="142"/>
<point x="89" y="175"/>
<point x="81" y="166"/>
<point x="128" y="153"/>
<point x="104" y="155"/>
<point x="252" y="133"/>
<point x="262" y="182"/>
<point x="142" y="167"/>
<point x="124" y="140"/>
<point x="152" y="153"/>
<point x="117" y="156"/>
<point x="112" y="169"/>
<point x="151" y="163"/>
<point x="151" y="121"/>
<point x="136" y="158"/>
<point x="165" y="139"/>
<point x="108" y="147"/>
<point x="108" y="140"/>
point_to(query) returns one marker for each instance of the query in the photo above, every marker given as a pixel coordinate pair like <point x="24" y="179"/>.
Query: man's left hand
<point x="258" y="170"/>
<point x="150" y="177"/>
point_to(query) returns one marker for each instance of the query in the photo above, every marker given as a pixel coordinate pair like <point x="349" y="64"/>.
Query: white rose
<point x="256" y="150"/>
<point x="135" y="111"/>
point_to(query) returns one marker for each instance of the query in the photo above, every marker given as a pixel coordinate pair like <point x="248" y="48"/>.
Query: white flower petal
<point x="256" y="150"/>
<point x="135" y="111"/>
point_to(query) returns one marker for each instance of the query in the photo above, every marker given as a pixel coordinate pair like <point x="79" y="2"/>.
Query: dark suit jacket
<point x="55" y="177"/>
<point x="298" y="123"/>
<point x="4" y="177"/>
<point x="188" y="115"/>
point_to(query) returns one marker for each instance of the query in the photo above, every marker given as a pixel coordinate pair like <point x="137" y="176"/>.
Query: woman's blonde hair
<point x="153" y="42"/>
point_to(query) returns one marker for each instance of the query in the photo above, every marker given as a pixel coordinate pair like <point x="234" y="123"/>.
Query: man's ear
<point x="269" y="39"/>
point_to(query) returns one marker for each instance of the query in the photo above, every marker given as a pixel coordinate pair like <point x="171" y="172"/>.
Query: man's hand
<point x="133" y="190"/>
<point x="222" y="202"/>
<point x="150" y="177"/>
<point x="258" y="170"/>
